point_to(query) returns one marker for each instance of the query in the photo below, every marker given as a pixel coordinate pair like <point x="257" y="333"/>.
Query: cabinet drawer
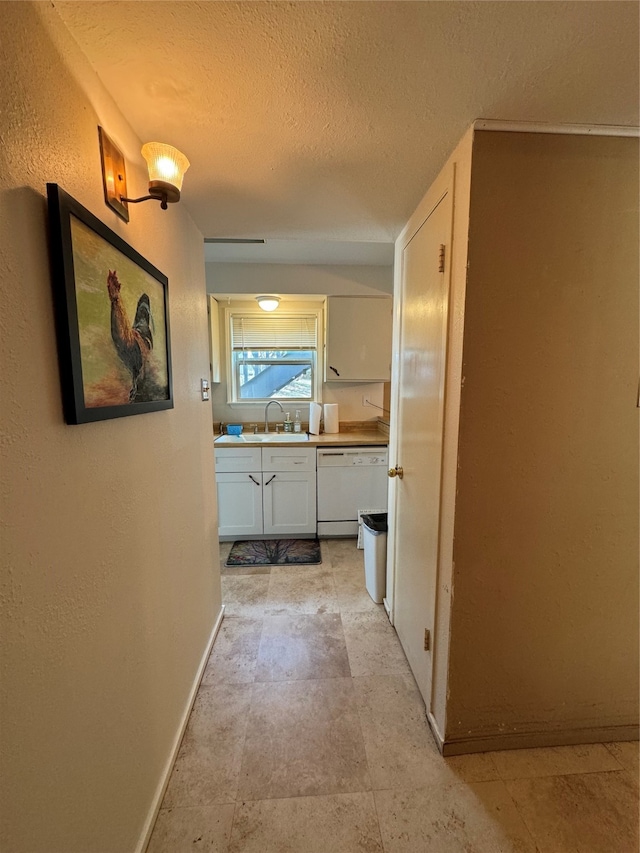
<point x="232" y="459"/>
<point x="288" y="459"/>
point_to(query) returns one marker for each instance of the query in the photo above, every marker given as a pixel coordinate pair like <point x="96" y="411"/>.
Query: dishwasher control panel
<point x="347" y="458"/>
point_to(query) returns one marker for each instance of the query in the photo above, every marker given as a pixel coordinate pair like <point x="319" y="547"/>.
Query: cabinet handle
<point x="268" y="481"/>
<point x="253" y="480"/>
<point x="334" y="370"/>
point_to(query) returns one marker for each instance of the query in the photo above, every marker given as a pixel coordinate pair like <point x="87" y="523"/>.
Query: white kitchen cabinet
<point x="214" y="340"/>
<point x="358" y="339"/>
<point x="289" y="503"/>
<point x="240" y="504"/>
<point x="269" y="491"/>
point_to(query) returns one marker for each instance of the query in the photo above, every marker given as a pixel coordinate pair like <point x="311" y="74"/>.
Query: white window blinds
<point x="255" y="332"/>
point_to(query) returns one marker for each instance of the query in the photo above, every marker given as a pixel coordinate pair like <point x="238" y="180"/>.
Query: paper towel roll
<point x="315" y="410"/>
<point x="331" y="422"/>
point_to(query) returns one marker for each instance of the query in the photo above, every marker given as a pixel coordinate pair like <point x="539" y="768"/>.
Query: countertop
<point x="360" y="438"/>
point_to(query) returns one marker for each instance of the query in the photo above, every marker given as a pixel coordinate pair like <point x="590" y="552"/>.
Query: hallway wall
<point x="544" y="622"/>
<point x="110" y="566"/>
<point x="326" y="279"/>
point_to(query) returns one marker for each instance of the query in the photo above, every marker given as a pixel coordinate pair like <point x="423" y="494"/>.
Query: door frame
<point x="443" y="185"/>
<point x="456" y="176"/>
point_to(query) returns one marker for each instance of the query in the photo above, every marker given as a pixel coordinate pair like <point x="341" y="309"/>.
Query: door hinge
<point x="441" y="258"/>
<point x="427" y="639"/>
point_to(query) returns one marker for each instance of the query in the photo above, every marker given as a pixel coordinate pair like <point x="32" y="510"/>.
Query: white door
<point x="289" y="502"/>
<point x="239" y="504"/>
<point x="421" y="369"/>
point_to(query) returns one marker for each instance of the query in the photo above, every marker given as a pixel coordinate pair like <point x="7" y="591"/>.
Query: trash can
<point x="374" y="534"/>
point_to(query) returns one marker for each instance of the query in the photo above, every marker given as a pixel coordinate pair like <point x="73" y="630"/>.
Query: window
<point x="273" y="357"/>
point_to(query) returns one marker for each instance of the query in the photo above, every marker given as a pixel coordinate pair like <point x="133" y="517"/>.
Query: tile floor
<point x="308" y="735"/>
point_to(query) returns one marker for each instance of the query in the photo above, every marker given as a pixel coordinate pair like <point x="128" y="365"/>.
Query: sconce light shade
<point x="166" y="167"/>
<point x="268" y="303"/>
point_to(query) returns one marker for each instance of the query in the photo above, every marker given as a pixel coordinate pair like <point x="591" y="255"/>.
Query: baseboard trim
<point x="529" y="740"/>
<point x="436" y="732"/>
<point x="166" y="773"/>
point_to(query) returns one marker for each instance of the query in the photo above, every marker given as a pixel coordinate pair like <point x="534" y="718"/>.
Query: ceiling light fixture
<point x="166" y="167"/>
<point x="268" y="303"/>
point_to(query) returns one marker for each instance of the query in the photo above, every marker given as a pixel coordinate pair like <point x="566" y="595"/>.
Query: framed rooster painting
<point x="112" y="318"/>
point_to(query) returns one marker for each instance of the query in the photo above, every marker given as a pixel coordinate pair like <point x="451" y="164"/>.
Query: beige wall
<point x="110" y="576"/>
<point x="544" y="625"/>
<point x="328" y="279"/>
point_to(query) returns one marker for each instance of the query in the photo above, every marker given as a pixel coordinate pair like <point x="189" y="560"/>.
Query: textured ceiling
<point x="329" y="120"/>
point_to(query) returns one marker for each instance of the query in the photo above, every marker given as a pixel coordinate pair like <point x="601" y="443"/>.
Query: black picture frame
<point x="112" y="318"/>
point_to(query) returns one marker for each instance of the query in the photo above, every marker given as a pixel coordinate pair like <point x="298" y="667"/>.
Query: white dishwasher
<point x="349" y="479"/>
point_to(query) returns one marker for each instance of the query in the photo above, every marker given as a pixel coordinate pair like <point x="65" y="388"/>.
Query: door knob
<point x="396" y="472"/>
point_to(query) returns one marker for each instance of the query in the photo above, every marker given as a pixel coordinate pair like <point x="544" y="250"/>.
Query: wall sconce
<point x="268" y="303"/>
<point x="166" y="167"/>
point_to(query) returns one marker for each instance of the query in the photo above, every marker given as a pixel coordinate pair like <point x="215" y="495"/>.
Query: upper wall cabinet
<point x="358" y="339"/>
<point x="214" y="339"/>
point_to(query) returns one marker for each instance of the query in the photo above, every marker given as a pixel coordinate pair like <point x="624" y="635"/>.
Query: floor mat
<point x="274" y="552"/>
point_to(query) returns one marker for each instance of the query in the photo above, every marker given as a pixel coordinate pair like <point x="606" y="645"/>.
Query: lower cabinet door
<point x="289" y="502"/>
<point x="239" y="504"/>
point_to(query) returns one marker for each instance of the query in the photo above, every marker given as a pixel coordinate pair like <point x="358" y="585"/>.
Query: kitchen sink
<point x="264" y="437"/>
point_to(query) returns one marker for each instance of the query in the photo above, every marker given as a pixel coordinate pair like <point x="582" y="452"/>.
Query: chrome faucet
<point x="266" y="413"/>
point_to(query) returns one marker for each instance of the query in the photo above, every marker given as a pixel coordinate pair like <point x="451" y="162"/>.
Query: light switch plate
<point x="205" y="389"/>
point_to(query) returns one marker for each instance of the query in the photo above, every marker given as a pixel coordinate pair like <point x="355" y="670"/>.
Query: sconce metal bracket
<point x="161" y="198"/>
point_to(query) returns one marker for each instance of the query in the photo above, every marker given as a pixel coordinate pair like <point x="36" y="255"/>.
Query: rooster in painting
<point x="133" y="342"/>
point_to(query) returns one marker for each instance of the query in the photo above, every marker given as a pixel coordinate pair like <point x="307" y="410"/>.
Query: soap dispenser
<point x="297" y="426"/>
<point x="288" y="425"/>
